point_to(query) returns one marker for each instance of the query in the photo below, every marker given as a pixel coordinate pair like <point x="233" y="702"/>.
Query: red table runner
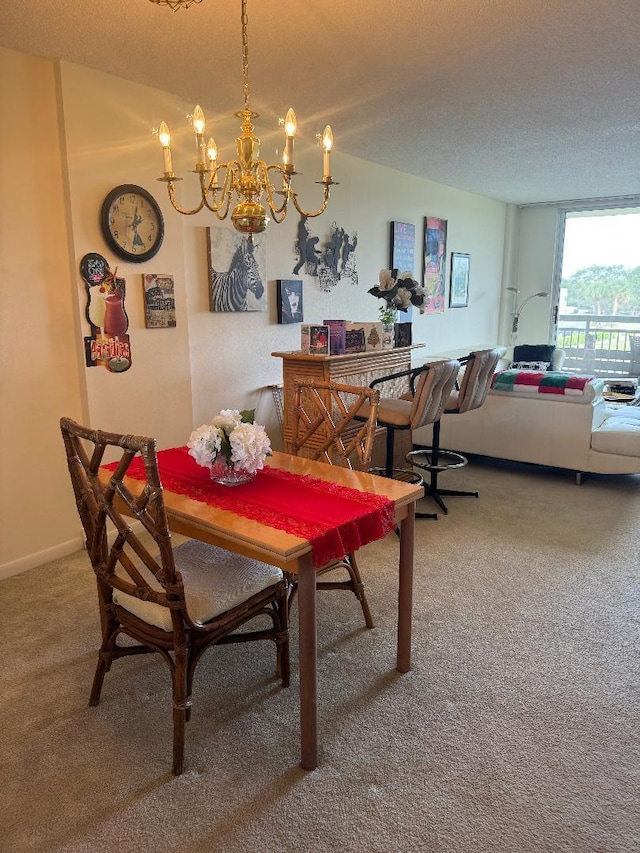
<point x="334" y="518"/>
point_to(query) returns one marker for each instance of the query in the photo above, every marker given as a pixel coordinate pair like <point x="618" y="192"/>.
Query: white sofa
<point x="580" y="433"/>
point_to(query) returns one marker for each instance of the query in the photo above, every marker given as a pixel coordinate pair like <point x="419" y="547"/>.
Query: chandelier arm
<point x="275" y="213"/>
<point x="220" y="209"/>
<point x="225" y="189"/>
<point x="268" y="187"/>
<point x="174" y="203"/>
<point x="302" y="212"/>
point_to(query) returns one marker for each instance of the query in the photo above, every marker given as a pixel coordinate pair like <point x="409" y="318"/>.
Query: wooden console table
<point x="358" y="368"/>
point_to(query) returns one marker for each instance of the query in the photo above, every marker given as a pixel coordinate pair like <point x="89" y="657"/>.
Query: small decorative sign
<point x="314" y="339"/>
<point x="159" y="301"/>
<point x="108" y="345"/>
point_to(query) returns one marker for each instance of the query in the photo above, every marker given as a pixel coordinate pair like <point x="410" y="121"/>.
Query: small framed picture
<point x="159" y="301"/>
<point x="459" y="285"/>
<point x="289" y="299"/>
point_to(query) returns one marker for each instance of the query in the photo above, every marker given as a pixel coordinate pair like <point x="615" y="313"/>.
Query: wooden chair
<point x="175" y="604"/>
<point x="325" y="428"/>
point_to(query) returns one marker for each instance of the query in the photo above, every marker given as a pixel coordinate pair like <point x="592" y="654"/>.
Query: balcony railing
<point x="600" y="345"/>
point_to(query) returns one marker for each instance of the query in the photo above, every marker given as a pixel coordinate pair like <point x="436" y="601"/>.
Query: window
<point x="597" y="290"/>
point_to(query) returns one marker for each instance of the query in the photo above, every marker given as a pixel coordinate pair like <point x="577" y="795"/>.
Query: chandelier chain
<point x="245" y="54"/>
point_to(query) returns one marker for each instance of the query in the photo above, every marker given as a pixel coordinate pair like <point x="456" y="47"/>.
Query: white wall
<point x="533" y="270"/>
<point x="179" y="377"/>
<point x="40" y="373"/>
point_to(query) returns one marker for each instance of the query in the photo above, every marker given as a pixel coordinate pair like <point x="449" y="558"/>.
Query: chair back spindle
<point x="325" y="425"/>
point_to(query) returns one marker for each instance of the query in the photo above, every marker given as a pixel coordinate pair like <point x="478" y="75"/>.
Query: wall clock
<point x="132" y="223"/>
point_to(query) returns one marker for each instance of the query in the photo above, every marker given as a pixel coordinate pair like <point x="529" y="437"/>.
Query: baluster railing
<point x="606" y="346"/>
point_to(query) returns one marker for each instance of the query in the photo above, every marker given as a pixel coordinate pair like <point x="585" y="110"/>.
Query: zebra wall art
<point x="237" y="272"/>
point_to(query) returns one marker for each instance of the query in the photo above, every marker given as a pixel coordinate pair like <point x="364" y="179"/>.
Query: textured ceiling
<point x="518" y="100"/>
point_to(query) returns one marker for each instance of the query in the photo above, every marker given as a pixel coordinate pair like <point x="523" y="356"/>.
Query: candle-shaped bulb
<point x="327" y="145"/>
<point x="290" y="127"/>
<point x="198" y="126"/>
<point x="163" y="135"/>
<point x="290" y="123"/>
<point x="327" y="138"/>
<point x="165" y="140"/>
<point x="212" y="151"/>
<point x="198" y="120"/>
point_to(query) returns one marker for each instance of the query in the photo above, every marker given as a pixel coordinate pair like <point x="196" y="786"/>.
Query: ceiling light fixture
<point x="248" y="177"/>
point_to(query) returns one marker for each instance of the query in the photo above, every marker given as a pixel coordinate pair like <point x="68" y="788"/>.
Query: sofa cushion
<point x="534" y="352"/>
<point x="619" y="433"/>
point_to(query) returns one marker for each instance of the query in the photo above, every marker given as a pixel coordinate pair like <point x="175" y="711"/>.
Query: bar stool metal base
<point x="424" y="458"/>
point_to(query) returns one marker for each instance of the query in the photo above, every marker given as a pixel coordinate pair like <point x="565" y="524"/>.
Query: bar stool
<point x="429" y="388"/>
<point x="474" y="386"/>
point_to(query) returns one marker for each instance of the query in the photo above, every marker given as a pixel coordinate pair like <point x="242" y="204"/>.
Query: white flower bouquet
<point x="232" y="441"/>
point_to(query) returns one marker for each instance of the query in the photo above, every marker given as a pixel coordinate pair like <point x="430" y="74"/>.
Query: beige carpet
<point x="516" y="731"/>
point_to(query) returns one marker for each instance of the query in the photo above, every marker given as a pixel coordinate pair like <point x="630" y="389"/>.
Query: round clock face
<point x="132" y="223"/>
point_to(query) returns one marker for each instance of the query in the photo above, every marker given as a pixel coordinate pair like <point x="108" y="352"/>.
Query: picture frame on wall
<point x="289" y="300"/>
<point x="159" y="301"/>
<point x="402" y="241"/>
<point x="433" y="267"/>
<point x="459" y="283"/>
<point x="237" y="270"/>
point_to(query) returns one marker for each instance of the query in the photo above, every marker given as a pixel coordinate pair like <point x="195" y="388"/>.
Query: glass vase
<point x="225" y="474"/>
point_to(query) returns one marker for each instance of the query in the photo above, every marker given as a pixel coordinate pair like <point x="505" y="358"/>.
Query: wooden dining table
<point x="235" y="532"/>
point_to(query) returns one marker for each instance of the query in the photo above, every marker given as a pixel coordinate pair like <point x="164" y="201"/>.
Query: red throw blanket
<point x="539" y="382"/>
<point x="335" y="519"/>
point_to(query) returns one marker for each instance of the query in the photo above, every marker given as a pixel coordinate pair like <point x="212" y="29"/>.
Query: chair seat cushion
<point x="215" y="581"/>
<point x="395" y="412"/>
<point x="619" y="433"/>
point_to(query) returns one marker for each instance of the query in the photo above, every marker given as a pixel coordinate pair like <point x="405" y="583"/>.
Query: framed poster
<point x="402" y="246"/>
<point x="433" y="267"/>
<point x="289" y="299"/>
<point x="159" y="301"/>
<point x="237" y="271"/>
<point x="459" y="284"/>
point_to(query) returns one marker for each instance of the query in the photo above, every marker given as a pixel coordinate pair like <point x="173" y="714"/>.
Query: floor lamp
<point x="517" y="309"/>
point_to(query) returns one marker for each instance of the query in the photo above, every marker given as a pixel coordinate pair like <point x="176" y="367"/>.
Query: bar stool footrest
<point x="404" y="475"/>
<point x="447" y="459"/>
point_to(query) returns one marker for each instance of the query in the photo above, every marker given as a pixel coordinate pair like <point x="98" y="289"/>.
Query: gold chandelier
<point x="248" y="178"/>
<point x="176" y="4"/>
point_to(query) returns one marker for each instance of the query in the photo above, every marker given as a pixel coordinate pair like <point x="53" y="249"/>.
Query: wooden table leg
<point x="405" y="590"/>
<point x="308" y="663"/>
